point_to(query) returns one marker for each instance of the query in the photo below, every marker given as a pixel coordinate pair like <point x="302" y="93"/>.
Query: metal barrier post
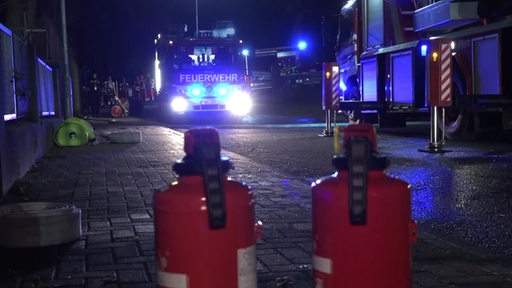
<point x="328" y="132"/>
<point x="330" y="95"/>
<point x="439" y="92"/>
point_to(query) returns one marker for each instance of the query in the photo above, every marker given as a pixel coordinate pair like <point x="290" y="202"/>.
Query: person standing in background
<point x="94" y="95"/>
<point x="143" y="89"/>
<point x="151" y="88"/>
<point x="138" y="97"/>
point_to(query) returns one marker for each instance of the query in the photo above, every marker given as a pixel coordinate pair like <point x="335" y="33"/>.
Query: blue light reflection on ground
<point x="293" y="193"/>
<point x="431" y="195"/>
<point x="306" y="120"/>
<point x="459" y="195"/>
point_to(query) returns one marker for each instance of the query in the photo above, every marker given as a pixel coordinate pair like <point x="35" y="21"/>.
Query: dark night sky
<point x="116" y="36"/>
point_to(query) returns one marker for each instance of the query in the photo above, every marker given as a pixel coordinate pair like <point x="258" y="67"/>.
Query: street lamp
<point x="197" y="20"/>
<point x="67" y="78"/>
<point x="245" y="52"/>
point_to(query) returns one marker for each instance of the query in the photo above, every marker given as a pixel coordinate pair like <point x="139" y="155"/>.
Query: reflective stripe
<point x="246" y="258"/>
<point x="322" y="264"/>
<point x="446" y="78"/>
<point x="172" y="280"/>
<point x="335" y="87"/>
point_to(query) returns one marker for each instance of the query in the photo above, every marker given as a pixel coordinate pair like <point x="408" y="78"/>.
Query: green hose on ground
<point x="85" y="125"/>
<point x="69" y="134"/>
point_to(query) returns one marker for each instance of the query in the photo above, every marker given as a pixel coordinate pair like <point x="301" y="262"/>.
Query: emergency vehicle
<point x="387" y="52"/>
<point x="284" y="67"/>
<point x="204" y="73"/>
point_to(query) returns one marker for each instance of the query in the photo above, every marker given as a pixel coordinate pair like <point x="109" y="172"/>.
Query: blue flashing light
<point x="245" y="52"/>
<point x="343" y="87"/>
<point x="424" y="50"/>
<point x="302" y="45"/>
<point x="222" y="90"/>
<point x="196" y="91"/>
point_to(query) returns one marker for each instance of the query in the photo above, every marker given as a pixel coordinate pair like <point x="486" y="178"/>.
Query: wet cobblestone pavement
<point x="113" y="184"/>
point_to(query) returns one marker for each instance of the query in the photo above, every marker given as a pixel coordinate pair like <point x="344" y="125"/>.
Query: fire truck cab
<point x="207" y="73"/>
<point x="386" y="51"/>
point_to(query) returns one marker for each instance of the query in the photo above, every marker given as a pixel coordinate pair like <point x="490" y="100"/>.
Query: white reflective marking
<point x="172" y="280"/>
<point x="322" y="264"/>
<point x="446" y="74"/>
<point x="246" y="258"/>
<point x="446" y="51"/>
<point x="445" y="84"/>
<point x="445" y="95"/>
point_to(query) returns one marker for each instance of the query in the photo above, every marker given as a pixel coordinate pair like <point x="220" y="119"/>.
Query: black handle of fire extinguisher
<point x="209" y="155"/>
<point x="358" y="154"/>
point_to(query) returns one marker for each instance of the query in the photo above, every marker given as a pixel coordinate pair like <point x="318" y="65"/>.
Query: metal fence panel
<point x="21" y="80"/>
<point x="45" y="88"/>
<point x="6" y="74"/>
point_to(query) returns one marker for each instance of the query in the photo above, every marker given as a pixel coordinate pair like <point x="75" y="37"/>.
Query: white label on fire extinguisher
<point x="247" y="267"/>
<point x="322" y="264"/>
<point x="171" y="280"/>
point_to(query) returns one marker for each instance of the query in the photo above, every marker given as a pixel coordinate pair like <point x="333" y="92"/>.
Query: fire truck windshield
<point x="196" y="55"/>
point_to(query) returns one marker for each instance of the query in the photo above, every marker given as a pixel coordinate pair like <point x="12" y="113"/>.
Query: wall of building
<point x="27" y="137"/>
<point x="24" y="143"/>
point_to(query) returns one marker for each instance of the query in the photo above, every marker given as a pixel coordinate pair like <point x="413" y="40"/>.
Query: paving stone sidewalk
<point x="113" y="184"/>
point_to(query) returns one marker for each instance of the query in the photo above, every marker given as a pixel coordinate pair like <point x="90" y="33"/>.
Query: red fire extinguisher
<point x="204" y="222"/>
<point x="362" y="226"/>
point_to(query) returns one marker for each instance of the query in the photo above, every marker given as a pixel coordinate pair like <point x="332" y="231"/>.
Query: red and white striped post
<point x="439" y="67"/>
<point x="330" y="94"/>
<point x="440" y="75"/>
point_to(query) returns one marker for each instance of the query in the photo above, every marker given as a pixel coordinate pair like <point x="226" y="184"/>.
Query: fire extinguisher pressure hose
<point x="358" y="154"/>
<point x="208" y="153"/>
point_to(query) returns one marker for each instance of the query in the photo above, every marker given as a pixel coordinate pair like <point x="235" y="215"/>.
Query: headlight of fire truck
<point x="179" y="104"/>
<point x="239" y="103"/>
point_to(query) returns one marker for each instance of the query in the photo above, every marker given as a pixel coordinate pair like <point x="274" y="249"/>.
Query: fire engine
<point x="203" y="73"/>
<point x="386" y="50"/>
